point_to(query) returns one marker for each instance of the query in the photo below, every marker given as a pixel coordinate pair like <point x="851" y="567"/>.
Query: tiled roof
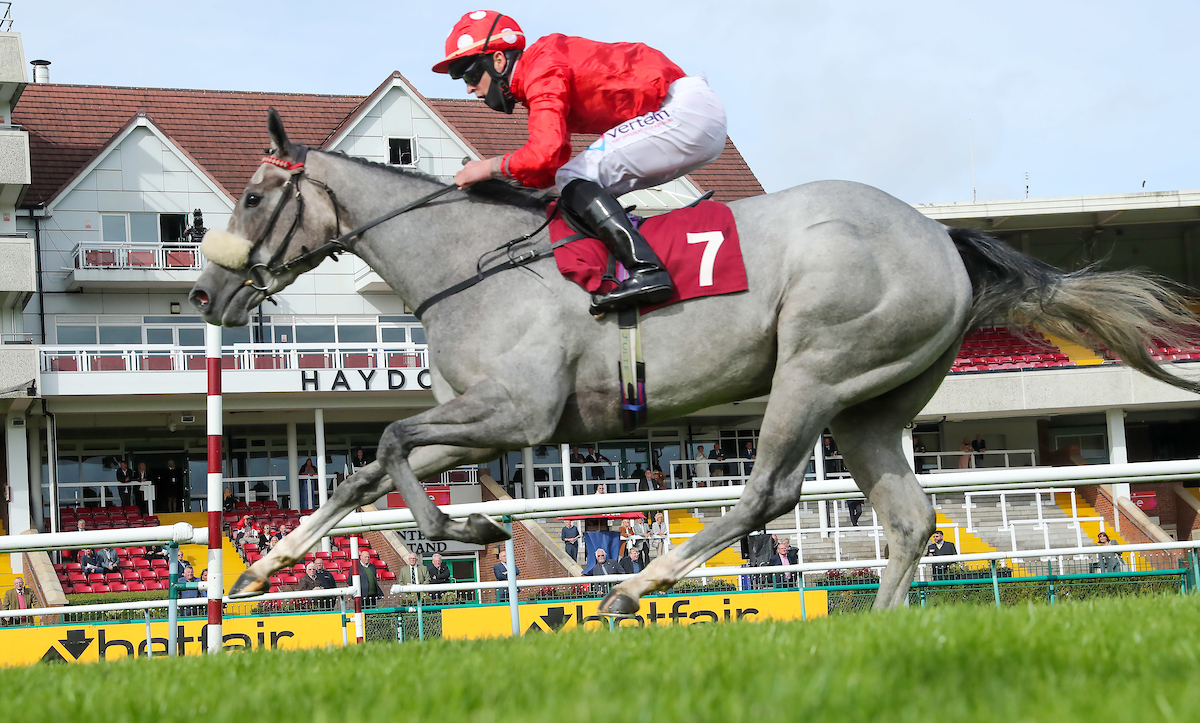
<point x="225" y="131"/>
<point x="495" y="134"/>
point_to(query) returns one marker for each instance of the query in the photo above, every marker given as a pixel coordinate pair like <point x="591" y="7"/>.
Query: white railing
<point x="170" y="256"/>
<point x="1042" y="523"/>
<point x="962" y="461"/>
<point x="151" y="357"/>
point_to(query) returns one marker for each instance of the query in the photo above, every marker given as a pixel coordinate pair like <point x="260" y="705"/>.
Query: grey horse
<point x="856" y="308"/>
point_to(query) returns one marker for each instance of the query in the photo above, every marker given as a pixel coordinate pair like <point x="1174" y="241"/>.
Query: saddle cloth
<point x="698" y="245"/>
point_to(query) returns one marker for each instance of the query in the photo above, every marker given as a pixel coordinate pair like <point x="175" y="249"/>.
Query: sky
<point x="932" y="102"/>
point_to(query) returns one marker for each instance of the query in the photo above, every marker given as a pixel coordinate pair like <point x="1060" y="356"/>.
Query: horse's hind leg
<point x="785" y="444"/>
<point x="869" y="438"/>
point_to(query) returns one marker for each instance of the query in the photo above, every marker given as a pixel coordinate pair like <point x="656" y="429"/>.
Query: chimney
<point x="41" y="71"/>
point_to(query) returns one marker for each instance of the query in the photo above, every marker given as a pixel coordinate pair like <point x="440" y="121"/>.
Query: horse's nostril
<point x="199" y="298"/>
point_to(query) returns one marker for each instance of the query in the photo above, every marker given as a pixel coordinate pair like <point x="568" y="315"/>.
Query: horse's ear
<point x="279" y="140"/>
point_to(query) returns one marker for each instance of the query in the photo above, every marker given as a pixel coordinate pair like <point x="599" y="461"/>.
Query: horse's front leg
<point x="362" y="487"/>
<point x="485" y="416"/>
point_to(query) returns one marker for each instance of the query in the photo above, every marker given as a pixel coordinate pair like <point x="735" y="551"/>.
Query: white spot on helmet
<point x="511" y="37"/>
<point x="464" y="40"/>
<point x="478" y="15"/>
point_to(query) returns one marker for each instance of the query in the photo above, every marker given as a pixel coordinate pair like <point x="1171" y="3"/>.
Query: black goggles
<point x="470" y="69"/>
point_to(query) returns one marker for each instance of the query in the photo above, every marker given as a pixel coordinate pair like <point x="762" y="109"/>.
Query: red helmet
<point x="481" y="31"/>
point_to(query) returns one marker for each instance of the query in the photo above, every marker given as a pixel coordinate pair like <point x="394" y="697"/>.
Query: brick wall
<point x="532" y="558"/>
<point x="1104" y="507"/>
<point x="1187" y="520"/>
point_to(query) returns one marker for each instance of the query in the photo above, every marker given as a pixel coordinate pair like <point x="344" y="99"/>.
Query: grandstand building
<point x="102" y="194"/>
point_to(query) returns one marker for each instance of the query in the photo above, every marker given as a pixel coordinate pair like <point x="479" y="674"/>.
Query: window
<point x="171" y="226"/>
<point x="418" y="335"/>
<point x="160" y="336"/>
<point x="234" y="335"/>
<point x="191" y="337"/>
<point x="76" y="335"/>
<point x="356" y="334"/>
<point x="113" y="228"/>
<point x="314" y="334"/>
<point x="402" y="151"/>
<point x="120" y="335"/>
<point x="143" y="228"/>
<point x="395" y="334"/>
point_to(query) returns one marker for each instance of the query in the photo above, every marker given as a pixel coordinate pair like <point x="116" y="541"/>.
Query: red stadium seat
<point x="341" y="554"/>
<point x="340" y="578"/>
<point x="112" y="577"/>
<point x="158" y="562"/>
<point x="135" y="587"/>
<point x="95" y="578"/>
<point x="73" y="567"/>
<point x="81" y="589"/>
<point x="141" y="563"/>
<point x="101" y="588"/>
<point x="274" y="588"/>
<point x="325" y="555"/>
<point x="387" y="575"/>
<point x="156" y="585"/>
<point x="286" y="579"/>
<point x="118" y="587"/>
<point x="77" y="577"/>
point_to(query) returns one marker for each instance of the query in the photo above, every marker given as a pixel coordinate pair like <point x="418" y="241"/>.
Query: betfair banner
<point x="494" y="620"/>
<point x="90" y="643"/>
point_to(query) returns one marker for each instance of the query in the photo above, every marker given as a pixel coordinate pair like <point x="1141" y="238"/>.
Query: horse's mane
<point x="497" y="191"/>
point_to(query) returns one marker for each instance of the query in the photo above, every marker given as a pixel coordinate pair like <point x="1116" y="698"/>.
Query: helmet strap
<point x="499" y="97"/>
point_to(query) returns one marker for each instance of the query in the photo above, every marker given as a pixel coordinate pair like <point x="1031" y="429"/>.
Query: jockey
<point x="655" y="124"/>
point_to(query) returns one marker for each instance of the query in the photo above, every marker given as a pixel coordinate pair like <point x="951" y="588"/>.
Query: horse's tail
<point x="1125" y="311"/>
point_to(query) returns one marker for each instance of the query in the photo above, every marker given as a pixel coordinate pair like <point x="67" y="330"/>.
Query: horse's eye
<point x="252" y="199"/>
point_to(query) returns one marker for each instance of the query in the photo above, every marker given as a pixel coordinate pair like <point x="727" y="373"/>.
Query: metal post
<point x="819" y="472"/>
<point x="803" y="611"/>
<point x="173" y="597"/>
<point x="995" y="585"/>
<point x="1050" y="582"/>
<point x="149" y="638"/>
<point x="420" y="619"/>
<point x="293" y="467"/>
<point x="216" y="583"/>
<point x="345" y="635"/>
<point x="528" y="484"/>
<point x="568" y="487"/>
<point x="360" y="631"/>
<point x="511" y="558"/>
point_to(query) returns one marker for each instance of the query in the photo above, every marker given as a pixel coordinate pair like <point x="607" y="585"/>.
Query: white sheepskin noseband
<point x="225" y="249"/>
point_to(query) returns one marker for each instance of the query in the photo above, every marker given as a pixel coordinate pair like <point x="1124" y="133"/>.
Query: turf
<point x="1112" y="660"/>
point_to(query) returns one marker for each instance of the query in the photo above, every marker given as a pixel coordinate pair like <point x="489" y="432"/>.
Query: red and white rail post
<point x="216" y="582"/>
<point x="359" y="621"/>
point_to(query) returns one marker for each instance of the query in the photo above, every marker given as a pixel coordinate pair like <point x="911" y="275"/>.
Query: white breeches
<point x="686" y="133"/>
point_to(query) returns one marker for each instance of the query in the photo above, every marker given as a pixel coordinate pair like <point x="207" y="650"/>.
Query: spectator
<point x="189" y="575"/>
<point x="141" y="478"/>
<point x="19" y="598"/>
<point x="784" y="555"/>
<point x="965" y="460"/>
<point x="702" y="468"/>
<point x="658" y="479"/>
<point x="639" y="479"/>
<point x="829" y="452"/>
<point x="855" y="508"/>
<point x="570" y="538"/>
<point x="124" y="479"/>
<point x="439" y="571"/>
<point x="1109" y="561"/>
<point x="603" y="565"/>
<point x="90" y="562"/>
<point x="979" y="447"/>
<point x="595" y="457"/>
<point x="81" y="526"/>
<point x="309" y="581"/>
<point x="157" y="551"/>
<point x="361" y="459"/>
<point x="717" y="456"/>
<point x="632" y="563"/>
<point x="658" y="535"/>
<point x="241" y="531"/>
<point x="414" y="573"/>
<point x="309" y="468"/>
<point x="577" y="461"/>
<point x="168" y="487"/>
<point x="368" y="576"/>
<point x="749" y="453"/>
<point x="601" y="488"/>
<point x="500" y="572"/>
<point x="640" y="538"/>
<point x="323" y="576"/>
<point x="228" y="503"/>
<point x="109" y="562"/>
<point x="940" y="548"/>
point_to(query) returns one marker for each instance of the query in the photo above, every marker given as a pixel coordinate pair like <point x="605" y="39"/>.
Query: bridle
<point x="275" y="265"/>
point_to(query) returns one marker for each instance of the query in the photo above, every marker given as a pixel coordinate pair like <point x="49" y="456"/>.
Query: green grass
<point x="1133" y="659"/>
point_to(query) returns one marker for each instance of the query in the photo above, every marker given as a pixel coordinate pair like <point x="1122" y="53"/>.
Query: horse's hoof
<point x="618" y="604"/>
<point x="248" y="585"/>
<point x="483" y="530"/>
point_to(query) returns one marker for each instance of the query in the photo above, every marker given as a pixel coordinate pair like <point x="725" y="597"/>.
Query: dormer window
<point x="402" y="151"/>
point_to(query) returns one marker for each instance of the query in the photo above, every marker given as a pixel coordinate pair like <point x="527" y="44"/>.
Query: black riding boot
<point x="603" y="216"/>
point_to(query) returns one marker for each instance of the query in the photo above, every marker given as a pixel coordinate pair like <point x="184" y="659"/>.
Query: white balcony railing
<point x="158" y="358"/>
<point x="168" y="256"/>
<point x="960" y="461"/>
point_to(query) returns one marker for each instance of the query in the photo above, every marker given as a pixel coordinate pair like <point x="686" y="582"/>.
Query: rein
<point x="334" y="247"/>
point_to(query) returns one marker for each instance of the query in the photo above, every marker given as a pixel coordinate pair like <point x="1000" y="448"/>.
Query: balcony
<point x="168" y="265"/>
<point x="18" y="274"/>
<point x="91" y="370"/>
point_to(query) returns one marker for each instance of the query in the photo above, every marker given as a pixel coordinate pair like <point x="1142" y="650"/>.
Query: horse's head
<point x="288" y="215"/>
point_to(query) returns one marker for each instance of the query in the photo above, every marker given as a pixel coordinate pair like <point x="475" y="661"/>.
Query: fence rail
<point x="162" y="358"/>
<point x="139" y="256"/>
